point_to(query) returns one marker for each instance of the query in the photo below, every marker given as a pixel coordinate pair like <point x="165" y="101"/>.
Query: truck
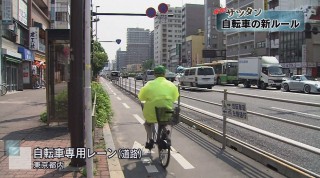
<point x="262" y="71"/>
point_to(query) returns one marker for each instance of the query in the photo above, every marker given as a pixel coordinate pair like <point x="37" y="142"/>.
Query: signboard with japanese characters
<point x="250" y="19"/>
<point x="34" y="38"/>
<point x="23" y="12"/>
<point x="234" y="109"/>
<point x="7" y="12"/>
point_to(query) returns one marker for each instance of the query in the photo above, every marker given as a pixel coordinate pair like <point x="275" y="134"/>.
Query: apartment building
<point x="192" y="21"/>
<point x="243" y="44"/>
<point x="121" y="58"/>
<point x="167" y="33"/>
<point x="298" y="52"/>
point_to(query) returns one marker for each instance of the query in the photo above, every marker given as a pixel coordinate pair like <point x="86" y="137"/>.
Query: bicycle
<point x="3" y="89"/>
<point x="162" y="134"/>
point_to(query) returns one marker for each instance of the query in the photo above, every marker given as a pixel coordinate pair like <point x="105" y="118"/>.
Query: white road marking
<point x="137" y="145"/>
<point x="125" y="105"/>
<point x="138" y="118"/>
<point x="114" y="93"/>
<point x="180" y="159"/>
<point x="12" y="102"/>
<point x="312" y="115"/>
<point x="119" y="98"/>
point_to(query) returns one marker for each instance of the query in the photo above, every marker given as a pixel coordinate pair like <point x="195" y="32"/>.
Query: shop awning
<point x="12" y="59"/>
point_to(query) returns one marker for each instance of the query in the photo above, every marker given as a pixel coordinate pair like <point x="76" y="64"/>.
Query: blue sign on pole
<point x="151" y="12"/>
<point x="163" y="8"/>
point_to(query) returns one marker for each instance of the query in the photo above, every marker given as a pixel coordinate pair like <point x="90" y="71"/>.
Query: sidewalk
<point x="19" y="120"/>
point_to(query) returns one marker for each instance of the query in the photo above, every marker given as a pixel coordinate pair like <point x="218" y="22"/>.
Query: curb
<point x="113" y="163"/>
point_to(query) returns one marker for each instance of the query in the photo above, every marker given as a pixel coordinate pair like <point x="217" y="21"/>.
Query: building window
<point x="62" y="16"/>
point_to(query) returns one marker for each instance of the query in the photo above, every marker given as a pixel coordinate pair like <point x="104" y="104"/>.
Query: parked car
<point x="139" y="76"/>
<point x="303" y="83"/>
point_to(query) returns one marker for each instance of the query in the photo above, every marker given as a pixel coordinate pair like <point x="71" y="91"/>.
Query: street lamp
<point x="97" y="19"/>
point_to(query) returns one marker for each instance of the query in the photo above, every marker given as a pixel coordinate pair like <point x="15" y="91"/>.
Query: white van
<point x="198" y="77"/>
<point x="149" y="75"/>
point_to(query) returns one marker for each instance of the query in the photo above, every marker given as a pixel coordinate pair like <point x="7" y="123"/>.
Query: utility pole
<point x="75" y="89"/>
<point x="87" y="87"/>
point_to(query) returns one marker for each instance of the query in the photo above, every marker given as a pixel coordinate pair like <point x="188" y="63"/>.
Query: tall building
<point x="213" y="39"/>
<point x="192" y="21"/>
<point x="138" y="44"/>
<point x="194" y="47"/>
<point x="167" y="33"/>
<point x="152" y="45"/>
<point x="121" y="58"/>
<point x="243" y="44"/>
<point x="298" y="52"/>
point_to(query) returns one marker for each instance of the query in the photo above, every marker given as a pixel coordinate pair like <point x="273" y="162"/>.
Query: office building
<point x="213" y="39"/>
<point x="298" y="52"/>
<point x="138" y="45"/>
<point x="192" y="20"/>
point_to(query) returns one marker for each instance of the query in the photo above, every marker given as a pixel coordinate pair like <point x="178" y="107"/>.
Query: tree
<point x="147" y="64"/>
<point x="99" y="58"/>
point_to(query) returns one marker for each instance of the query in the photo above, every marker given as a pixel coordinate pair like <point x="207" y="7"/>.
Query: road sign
<point x="234" y="109"/>
<point x="118" y="41"/>
<point x="163" y="8"/>
<point x="151" y="12"/>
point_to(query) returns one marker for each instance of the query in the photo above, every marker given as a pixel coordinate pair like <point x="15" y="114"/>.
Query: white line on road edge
<point x="138" y="118"/>
<point x="137" y="145"/>
<point x="312" y="115"/>
<point x="119" y="98"/>
<point x="180" y="159"/>
<point x="125" y="105"/>
<point x="146" y="158"/>
<point x="113" y="163"/>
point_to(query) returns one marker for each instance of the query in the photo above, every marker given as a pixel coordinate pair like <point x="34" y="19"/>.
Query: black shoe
<point x="149" y="145"/>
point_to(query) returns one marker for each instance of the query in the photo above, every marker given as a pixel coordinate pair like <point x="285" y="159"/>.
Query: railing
<point x="133" y="89"/>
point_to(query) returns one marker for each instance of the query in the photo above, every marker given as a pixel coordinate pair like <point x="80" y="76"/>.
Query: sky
<point x="111" y="28"/>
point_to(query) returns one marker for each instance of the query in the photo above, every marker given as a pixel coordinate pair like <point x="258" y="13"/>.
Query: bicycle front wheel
<point x="3" y="90"/>
<point x="163" y="147"/>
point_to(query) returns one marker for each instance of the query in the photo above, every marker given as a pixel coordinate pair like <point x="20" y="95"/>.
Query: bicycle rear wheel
<point x="163" y="147"/>
<point x="3" y="90"/>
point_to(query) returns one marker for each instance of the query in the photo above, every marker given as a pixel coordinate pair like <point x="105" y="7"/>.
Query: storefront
<point x="12" y="70"/>
<point x="28" y="58"/>
<point x="39" y="66"/>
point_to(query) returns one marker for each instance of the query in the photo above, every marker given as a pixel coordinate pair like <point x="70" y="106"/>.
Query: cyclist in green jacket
<point x="156" y="93"/>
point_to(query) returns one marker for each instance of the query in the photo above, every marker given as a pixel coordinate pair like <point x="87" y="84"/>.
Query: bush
<point x="61" y="104"/>
<point x="43" y="117"/>
<point x="103" y="105"/>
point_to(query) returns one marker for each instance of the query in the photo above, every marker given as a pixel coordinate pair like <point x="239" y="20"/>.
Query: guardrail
<point x="126" y="85"/>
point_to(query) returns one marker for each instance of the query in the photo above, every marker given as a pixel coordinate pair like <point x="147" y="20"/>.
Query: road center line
<point x="138" y="118"/>
<point x="312" y="115"/>
<point x="125" y="105"/>
<point x="119" y="98"/>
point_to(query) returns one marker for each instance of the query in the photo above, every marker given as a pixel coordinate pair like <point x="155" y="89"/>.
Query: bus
<point x="226" y="71"/>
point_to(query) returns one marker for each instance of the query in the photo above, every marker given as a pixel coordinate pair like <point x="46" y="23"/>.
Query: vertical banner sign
<point x="304" y="53"/>
<point x="34" y="38"/>
<point x="7" y="12"/>
<point x="23" y="12"/>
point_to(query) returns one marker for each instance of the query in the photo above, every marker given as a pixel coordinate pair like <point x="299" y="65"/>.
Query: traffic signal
<point x="118" y="41"/>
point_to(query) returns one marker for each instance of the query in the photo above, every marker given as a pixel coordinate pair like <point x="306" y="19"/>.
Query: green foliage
<point x="43" y="117"/>
<point x="99" y="58"/>
<point x="61" y="104"/>
<point x="148" y="64"/>
<point x="84" y="171"/>
<point x="103" y="105"/>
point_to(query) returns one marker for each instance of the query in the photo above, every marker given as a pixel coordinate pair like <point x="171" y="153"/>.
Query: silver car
<point x="303" y="83"/>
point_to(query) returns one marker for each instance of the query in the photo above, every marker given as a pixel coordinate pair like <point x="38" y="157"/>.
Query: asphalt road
<point x="285" y="110"/>
<point x="193" y="154"/>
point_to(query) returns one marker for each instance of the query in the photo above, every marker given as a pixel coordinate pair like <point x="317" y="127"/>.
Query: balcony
<point x="10" y="35"/>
